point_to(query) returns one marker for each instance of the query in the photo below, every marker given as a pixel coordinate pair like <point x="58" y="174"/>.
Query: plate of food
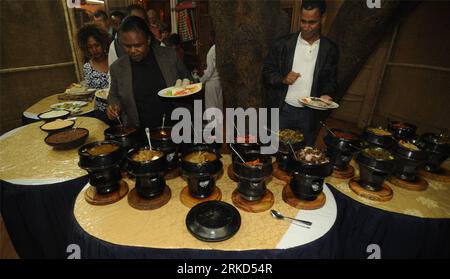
<point x="73" y="107"/>
<point x="180" y="90"/>
<point x="318" y="103"/>
<point x="78" y="89"/>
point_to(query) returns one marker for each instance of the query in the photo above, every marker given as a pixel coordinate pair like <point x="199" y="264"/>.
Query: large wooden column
<point x="358" y="30"/>
<point x="244" y="31"/>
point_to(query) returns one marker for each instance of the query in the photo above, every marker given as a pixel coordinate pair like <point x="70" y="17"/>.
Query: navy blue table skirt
<point x="357" y="226"/>
<point x="38" y="217"/>
<point x="41" y="224"/>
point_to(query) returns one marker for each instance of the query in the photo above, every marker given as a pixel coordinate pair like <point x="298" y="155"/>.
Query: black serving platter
<point x="213" y="221"/>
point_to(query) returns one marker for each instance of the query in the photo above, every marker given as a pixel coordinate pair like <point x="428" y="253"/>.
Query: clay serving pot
<point x="438" y="149"/>
<point x="341" y="147"/>
<point x="150" y="181"/>
<point x="161" y="138"/>
<point x="102" y="159"/>
<point x="402" y="130"/>
<point x="284" y="155"/>
<point x="252" y="177"/>
<point x="375" y="165"/>
<point x="201" y="174"/>
<point x="385" y="141"/>
<point x="307" y="178"/>
<point x="408" y="161"/>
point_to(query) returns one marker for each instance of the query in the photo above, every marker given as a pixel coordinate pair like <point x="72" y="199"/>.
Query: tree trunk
<point x="357" y="30"/>
<point x="244" y="31"/>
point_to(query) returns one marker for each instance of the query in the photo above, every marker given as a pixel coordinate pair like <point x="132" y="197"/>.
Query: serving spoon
<point x="162" y="126"/>
<point x="293" y="151"/>
<point x="325" y="126"/>
<point x="299" y="222"/>
<point x="120" y="122"/>
<point x="147" y="132"/>
<point x="239" y="155"/>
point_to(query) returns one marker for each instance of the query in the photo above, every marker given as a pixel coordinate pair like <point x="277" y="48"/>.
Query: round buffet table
<point x="38" y="188"/>
<point x="413" y="224"/>
<point x="118" y="230"/>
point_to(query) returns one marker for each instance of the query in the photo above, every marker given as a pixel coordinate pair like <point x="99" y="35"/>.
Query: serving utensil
<point x="276" y="214"/>
<point x="237" y="131"/>
<point x="270" y="131"/>
<point x="162" y="126"/>
<point x="77" y="125"/>
<point x="239" y="155"/>
<point x="147" y="132"/>
<point x="293" y="151"/>
<point x="120" y="122"/>
<point x="325" y="126"/>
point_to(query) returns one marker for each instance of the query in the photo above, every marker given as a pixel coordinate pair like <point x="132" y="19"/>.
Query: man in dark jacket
<point x="301" y="65"/>
<point x="137" y="77"/>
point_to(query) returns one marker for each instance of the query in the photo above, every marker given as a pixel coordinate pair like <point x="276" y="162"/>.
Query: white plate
<point x="191" y="89"/>
<point x="87" y="92"/>
<point x="307" y="102"/>
<point x="102" y="94"/>
<point x="74" y="106"/>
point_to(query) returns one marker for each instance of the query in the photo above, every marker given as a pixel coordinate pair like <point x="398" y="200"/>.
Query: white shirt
<point x="211" y="70"/>
<point x="305" y="57"/>
<point x="112" y="55"/>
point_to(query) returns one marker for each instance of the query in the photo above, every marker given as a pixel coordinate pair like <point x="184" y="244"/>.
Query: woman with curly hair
<point x="94" y="43"/>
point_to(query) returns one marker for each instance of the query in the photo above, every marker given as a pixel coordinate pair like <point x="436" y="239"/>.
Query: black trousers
<point x="301" y="119"/>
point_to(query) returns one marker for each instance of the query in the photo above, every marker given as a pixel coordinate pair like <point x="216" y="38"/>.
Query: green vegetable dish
<point x="378" y="154"/>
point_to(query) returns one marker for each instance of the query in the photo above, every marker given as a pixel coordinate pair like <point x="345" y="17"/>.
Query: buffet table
<point x="38" y="187"/>
<point x="31" y="114"/>
<point x="411" y="225"/>
<point x="118" y="230"/>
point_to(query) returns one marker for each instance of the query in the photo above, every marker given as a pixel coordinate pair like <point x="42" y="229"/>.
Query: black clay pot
<point x="284" y="155"/>
<point x="103" y="169"/>
<point x="150" y="181"/>
<point x="341" y="147"/>
<point x="383" y="141"/>
<point x="161" y="138"/>
<point x="373" y="171"/>
<point x="408" y="162"/>
<point x="201" y="176"/>
<point x="209" y="142"/>
<point x="402" y="130"/>
<point x="307" y="179"/>
<point x="244" y="145"/>
<point x="127" y="137"/>
<point x="438" y="151"/>
<point x="252" y="179"/>
<point x="284" y="160"/>
<point x="284" y="146"/>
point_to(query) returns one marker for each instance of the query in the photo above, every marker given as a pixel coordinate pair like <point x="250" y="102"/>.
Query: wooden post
<point x="358" y="30"/>
<point x="244" y="31"/>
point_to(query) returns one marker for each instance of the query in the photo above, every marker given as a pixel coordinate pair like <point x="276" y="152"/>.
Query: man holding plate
<point x="137" y="77"/>
<point x="301" y="65"/>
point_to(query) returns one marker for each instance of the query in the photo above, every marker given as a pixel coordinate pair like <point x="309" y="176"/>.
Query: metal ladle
<point x="325" y="126"/>
<point x="234" y="150"/>
<point x="147" y="132"/>
<point x="162" y="126"/>
<point x="299" y="222"/>
<point x="120" y="122"/>
<point x="293" y="151"/>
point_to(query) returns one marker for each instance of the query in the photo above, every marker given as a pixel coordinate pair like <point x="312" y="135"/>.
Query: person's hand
<point x="113" y="111"/>
<point x="291" y="78"/>
<point x="327" y="99"/>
